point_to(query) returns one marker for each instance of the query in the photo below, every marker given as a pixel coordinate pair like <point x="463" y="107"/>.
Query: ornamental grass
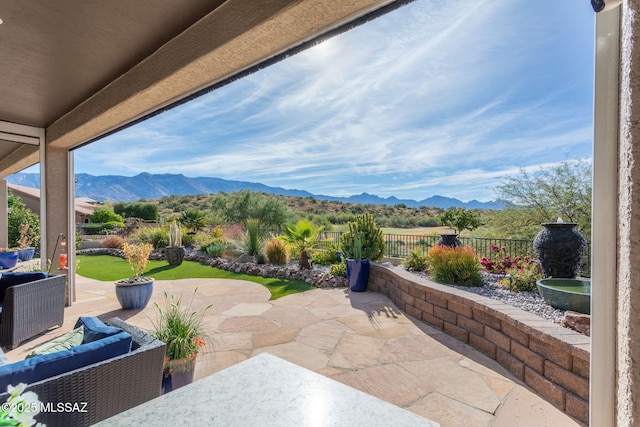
<point x="179" y="327"/>
<point x="454" y="265"/>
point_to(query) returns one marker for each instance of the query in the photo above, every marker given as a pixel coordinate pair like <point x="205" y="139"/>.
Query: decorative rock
<point x="577" y="321"/>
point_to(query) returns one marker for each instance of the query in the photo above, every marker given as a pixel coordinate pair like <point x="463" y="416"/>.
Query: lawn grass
<point x="110" y="268"/>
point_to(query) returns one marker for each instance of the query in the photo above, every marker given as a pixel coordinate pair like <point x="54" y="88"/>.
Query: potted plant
<point x="25" y="242"/>
<point x="458" y="219"/>
<point x="8" y="258"/>
<point x="363" y="243"/>
<point x="135" y="292"/>
<point x="175" y="251"/>
<point x="181" y="329"/>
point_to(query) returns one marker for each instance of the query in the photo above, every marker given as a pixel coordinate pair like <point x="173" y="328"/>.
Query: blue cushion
<point x="49" y="365"/>
<point x="17" y="278"/>
<point x="94" y="329"/>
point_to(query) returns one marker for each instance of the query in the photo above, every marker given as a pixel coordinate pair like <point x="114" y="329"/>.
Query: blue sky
<point x="435" y="98"/>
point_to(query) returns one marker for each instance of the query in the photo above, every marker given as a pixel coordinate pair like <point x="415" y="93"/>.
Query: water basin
<point x="567" y="294"/>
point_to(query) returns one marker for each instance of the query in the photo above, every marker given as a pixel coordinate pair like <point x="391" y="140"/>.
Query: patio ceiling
<point x="83" y="69"/>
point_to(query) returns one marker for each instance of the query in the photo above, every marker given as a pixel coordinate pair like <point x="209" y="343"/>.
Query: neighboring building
<point x="31" y="198"/>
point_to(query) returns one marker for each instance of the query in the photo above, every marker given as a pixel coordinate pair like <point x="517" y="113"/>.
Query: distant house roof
<point x="83" y="205"/>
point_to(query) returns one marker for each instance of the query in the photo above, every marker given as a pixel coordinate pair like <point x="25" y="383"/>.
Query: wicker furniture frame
<point x="31" y="308"/>
<point x="102" y="390"/>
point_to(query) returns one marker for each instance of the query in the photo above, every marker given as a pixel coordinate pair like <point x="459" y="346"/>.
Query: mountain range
<point x="148" y="186"/>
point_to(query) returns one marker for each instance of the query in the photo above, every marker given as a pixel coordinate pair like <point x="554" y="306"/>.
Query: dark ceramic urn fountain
<point x="560" y="248"/>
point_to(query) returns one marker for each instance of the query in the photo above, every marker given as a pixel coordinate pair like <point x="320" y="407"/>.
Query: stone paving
<point x="359" y="339"/>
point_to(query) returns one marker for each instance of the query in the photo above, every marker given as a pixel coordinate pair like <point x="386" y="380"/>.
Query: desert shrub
<point x="213" y="243"/>
<point x="416" y="261"/>
<point x="216" y="249"/>
<point x="522" y="276"/>
<point x="327" y="256"/>
<point x="339" y="270"/>
<point x="157" y="236"/>
<point x="458" y="265"/>
<point x="276" y="251"/>
<point x="114" y="242"/>
<point x="188" y="240"/>
<point x="233" y="232"/>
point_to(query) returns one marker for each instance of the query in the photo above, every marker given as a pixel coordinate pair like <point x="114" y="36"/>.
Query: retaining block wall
<point x="551" y="359"/>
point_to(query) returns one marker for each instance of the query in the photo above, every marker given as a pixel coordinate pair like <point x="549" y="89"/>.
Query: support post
<point x="4" y="214"/>
<point x="58" y="215"/>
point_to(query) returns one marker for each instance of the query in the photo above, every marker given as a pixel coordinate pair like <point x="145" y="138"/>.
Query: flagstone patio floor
<point x="359" y="339"/>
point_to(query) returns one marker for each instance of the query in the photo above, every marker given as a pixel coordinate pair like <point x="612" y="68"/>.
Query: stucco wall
<point x="628" y="321"/>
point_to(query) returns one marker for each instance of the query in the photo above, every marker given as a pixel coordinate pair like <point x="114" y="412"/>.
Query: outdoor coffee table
<point x="267" y="391"/>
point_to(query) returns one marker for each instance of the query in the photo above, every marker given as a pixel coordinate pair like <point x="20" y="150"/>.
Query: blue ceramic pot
<point x="358" y="274"/>
<point x="134" y="297"/>
<point x="8" y="259"/>
<point x="26" y="254"/>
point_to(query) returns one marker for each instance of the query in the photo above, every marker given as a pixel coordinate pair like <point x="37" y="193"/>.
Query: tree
<point x="243" y="205"/>
<point x="460" y="219"/>
<point x="20" y="214"/>
<point x="561" y="191"/>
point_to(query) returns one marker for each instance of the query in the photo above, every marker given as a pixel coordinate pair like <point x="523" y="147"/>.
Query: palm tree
<point x="192" y="219"/>
<point x="303" y="236"/>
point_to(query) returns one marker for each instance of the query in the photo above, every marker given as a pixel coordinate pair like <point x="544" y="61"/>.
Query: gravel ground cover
<point x="527" y="301"/>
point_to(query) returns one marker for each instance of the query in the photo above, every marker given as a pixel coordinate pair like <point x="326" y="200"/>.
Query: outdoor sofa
<point x="88" y="394"/>
<point x="31" y="303"/>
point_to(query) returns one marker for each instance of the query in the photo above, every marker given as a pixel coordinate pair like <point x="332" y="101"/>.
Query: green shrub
<point x="327" y="256"/>
<point x="91" y="229"/>
<point x="416" y="261"/>
<point x="523" y="277"/>
<point x="112" y="225"/>
<point x="105" y="215"/>
<point x="188" y="239"/>
<point x="157" y="236"/>
<point x="457" y="265"/>
<point x="216" y="249"/>
<point x="339" y="270"/>
<point x="146" y="211"/>
<point x="276" y="251"/>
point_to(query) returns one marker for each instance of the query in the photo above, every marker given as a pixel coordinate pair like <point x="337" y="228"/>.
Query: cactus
<point x="364" y="238"/>
<point x="175" y="235"/>
<point x="357" y="246"/>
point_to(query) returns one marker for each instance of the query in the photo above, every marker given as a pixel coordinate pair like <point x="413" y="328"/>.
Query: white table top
<point x="267" y="391"/>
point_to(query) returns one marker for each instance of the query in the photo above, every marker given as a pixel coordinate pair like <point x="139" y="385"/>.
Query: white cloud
<point x="434" y="98"/>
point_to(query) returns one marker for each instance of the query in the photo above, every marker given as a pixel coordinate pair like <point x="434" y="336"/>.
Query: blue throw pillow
<point x="17" y="278"/>
<point x="94" y="329"/>
<point x="38" y="368"/>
